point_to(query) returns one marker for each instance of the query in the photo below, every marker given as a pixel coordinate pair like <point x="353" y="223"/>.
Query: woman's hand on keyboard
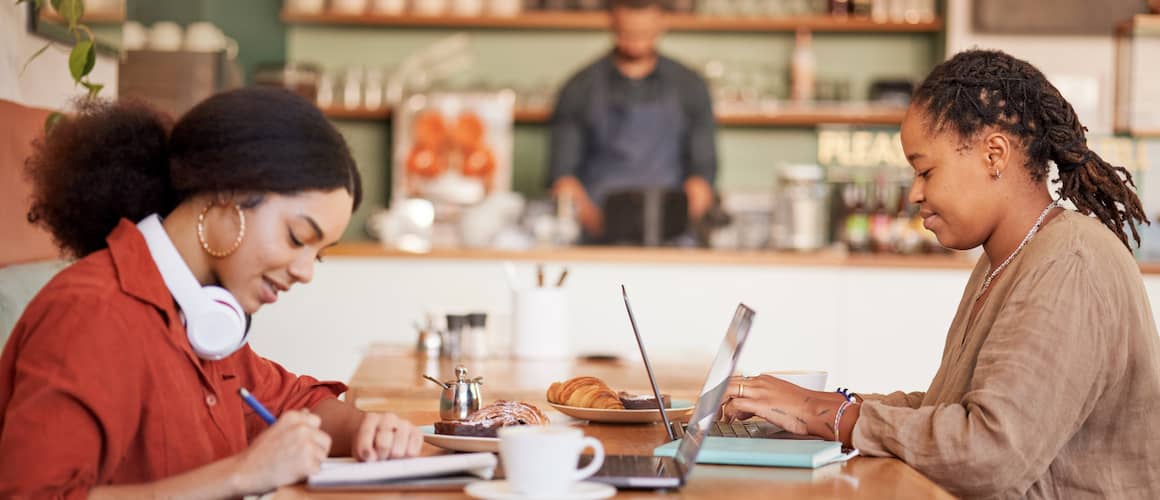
<point x="781" y="403"/>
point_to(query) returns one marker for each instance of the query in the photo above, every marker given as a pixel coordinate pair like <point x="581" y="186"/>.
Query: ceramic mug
<point x="540" y="461"/>
<point x="205" y="37"/>
<point x="349" y="6"/>
<point x="165" y="35"/>
<point x="134" y="36"/>
<point x="814" y="380"/>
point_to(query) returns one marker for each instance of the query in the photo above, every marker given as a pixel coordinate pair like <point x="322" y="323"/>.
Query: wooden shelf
<point x="788" y="117"/>
<point x="95" y="17"/>
<point x="356" y="114"/>
<point x="810" y="116"/>
<point x="546" y="20"/>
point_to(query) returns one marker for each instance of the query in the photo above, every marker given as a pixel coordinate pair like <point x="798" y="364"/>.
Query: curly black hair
<point x="977" y="89"/>
<point x="124" y="160"/>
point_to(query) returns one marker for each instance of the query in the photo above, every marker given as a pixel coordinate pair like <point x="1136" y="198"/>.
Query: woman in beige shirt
<point x="1049" y="385"/>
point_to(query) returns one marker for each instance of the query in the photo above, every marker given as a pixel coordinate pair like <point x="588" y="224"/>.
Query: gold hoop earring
<point x="237" y="242"/>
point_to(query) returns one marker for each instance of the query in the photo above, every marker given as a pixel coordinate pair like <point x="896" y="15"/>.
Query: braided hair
<point x="976" y="89"/>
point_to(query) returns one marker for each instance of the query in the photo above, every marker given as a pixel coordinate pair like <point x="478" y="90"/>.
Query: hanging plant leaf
<point x="70" y="10"/>
<point x="34" y="56"/>
<point x="35" y="3"/>
<point x="51" y="120"/>
<point x="81" y="60"/>
<point x="94" y="88"/>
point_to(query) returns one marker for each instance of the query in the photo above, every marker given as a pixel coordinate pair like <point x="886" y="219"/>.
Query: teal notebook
<point x="764" y="452"/>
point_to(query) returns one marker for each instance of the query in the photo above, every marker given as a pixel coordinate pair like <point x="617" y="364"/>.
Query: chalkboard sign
<point x="1054" y="17"/>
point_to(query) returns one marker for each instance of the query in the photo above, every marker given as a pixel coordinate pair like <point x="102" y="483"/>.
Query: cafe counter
<point x="696" y="256"/>
<point x="875" y="323"/>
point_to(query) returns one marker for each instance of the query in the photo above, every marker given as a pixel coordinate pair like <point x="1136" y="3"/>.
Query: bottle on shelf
<point x="802" y="68"/>
<point x="907" y="237"/>
<point x="840" y="8"/>
<point x="880" y="10"/>
<point x="857" y="224"/>
<point x="860" y="9"/>
<point x="881" y="218"/>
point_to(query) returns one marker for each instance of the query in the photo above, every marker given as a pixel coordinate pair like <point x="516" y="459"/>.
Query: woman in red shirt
<point x="122" y="376"/>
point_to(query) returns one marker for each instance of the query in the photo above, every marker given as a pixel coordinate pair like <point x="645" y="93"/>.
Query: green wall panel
<point x="527" y="59"/>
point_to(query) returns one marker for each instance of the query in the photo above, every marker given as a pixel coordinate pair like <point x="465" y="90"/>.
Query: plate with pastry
<point x="478" y="432"/>
<point x="589" y="398"/>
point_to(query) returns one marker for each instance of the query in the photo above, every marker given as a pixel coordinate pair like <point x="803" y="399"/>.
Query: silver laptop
<point x="634" y="471"/>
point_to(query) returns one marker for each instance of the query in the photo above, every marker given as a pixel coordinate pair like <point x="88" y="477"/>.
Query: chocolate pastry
<point x="643" y="402"/>
<point x="487" y="420"/>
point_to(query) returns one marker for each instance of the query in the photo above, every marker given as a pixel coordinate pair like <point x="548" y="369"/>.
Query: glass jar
<point x="801" y="209"/>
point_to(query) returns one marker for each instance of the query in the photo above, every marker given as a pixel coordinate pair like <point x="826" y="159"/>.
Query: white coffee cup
<point x="389" y="7"/>
<point x="540" y="461"/>
<point x="429" y="8"/>
<point x="540" y="323"/>
<point x="348" y="6"/>
<point x="205" y="37"/>
<point x="165" y="35"/>
<point x="134" y="36"/>
<point x="814" y="380"/>
<point x="307" y="6"/>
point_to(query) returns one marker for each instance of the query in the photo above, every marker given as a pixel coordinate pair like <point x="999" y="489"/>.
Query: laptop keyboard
<point x="734" y="429"/>
<point x="631" y="466"/>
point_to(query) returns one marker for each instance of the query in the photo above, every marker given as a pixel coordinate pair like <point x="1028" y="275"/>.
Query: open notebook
<point x="438" y="472"/>
<point x="807" y="453"/>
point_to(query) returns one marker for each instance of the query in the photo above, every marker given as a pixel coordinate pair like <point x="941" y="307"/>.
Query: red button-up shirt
<point x="99" y="385"/>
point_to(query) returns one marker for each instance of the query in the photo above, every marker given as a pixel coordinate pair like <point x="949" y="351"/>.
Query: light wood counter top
<point x="677" y="256"/>
<point x="641" y="255"/>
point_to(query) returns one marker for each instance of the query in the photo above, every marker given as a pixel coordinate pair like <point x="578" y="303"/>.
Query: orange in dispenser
<point x="478" y="162"/>
<point x="469" y="130"/>
<point x="430" y="130"/>
<point x="425" y="161"/>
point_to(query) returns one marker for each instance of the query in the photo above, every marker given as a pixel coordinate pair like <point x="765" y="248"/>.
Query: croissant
<point x="585" y="392"/>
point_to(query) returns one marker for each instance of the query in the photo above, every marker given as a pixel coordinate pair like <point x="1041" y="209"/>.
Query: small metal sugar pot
<point x="460" y="397"/>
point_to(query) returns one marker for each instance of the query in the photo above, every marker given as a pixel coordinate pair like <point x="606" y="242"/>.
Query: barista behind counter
<point x="633" y="119"/>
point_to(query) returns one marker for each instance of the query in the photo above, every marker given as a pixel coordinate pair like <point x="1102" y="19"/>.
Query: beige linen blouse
<point x="1053" y="392"/>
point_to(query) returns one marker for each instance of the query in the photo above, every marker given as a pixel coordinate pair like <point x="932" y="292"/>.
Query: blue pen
<point x="253" y="402"/>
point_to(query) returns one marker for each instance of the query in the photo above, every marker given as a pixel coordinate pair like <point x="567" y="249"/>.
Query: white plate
<point x="501" y="490"/>
<point x="459" y="443"/>
<point x="681" y="410"/>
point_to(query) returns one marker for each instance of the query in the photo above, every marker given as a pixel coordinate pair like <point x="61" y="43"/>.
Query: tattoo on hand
<point x="801" y="421"/>
<point x="830" y="427"/>
<point x="823" y="412"/>
<point x="777" y="411"/>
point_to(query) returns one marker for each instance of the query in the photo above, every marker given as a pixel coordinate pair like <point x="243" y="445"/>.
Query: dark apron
<point x="637" y="144"/>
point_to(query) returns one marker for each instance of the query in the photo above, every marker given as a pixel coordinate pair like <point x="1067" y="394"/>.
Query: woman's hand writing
<point x="287" y="452"/>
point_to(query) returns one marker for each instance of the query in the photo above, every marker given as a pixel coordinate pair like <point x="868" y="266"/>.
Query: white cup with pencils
<point x="540" y="319"/>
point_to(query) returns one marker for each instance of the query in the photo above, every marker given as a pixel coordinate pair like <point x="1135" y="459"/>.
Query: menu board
<point x="452" y="148"/>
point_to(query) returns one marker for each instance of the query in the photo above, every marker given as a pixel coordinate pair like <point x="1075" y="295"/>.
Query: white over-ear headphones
<point x="214" y="321"/>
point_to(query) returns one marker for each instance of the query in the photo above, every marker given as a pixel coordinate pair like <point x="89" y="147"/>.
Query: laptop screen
<point x="713" y="392"/>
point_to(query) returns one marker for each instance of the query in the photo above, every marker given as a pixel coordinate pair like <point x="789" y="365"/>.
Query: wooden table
<point x="388" y="373"/>
<point x="390" y="380"/>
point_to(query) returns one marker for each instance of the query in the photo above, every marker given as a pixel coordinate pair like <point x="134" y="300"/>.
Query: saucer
<point x="501" y="490"/>
<point x="459" y="443"/>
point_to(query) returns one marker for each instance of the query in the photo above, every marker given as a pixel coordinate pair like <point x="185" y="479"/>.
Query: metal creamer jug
<point x="460" y="397"/>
